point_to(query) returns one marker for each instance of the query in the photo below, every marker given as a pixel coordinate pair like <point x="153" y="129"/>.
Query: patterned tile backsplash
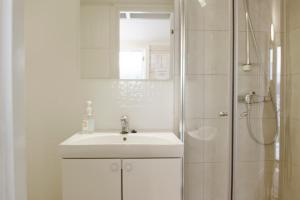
<point x="149" y="104"/>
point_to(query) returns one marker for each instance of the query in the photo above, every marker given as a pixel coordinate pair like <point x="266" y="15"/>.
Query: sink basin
<point x="116" y="145"/>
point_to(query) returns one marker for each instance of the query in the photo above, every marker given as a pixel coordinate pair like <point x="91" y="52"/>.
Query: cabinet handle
<point x="128" y="167"/>
<point x="114" y="167"/>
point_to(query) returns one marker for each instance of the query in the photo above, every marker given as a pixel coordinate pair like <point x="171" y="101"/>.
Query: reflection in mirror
<point x="145" y="45"/>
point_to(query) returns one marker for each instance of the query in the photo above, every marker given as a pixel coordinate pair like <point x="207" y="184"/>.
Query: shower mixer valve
<point x="252" y="98"/>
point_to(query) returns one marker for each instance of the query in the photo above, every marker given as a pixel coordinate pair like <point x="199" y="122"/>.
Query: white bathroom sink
<point x="116" y="145"/>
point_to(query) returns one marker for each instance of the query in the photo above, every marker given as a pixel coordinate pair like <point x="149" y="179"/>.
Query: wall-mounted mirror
<point x="126" y="42"/>
<point x="145" y="45"/>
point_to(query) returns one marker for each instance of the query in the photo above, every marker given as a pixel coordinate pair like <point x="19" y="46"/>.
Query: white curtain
<point x="12" y="137"/>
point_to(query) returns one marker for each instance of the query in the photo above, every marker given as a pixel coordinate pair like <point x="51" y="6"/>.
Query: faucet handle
<point x="124" y="117"/>
<point x="133" y="131"/>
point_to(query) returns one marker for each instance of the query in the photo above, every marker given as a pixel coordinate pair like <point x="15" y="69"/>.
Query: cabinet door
<point x="152" y="179"/>
<point x="91" y="179"/>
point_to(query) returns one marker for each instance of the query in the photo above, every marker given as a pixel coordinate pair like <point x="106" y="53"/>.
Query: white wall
<point x="53" y="102"/>
<point x="56" y="94"/>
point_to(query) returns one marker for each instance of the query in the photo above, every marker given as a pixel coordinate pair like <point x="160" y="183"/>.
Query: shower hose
<point x="249" y="104"/>
<point x="249" y="123"/>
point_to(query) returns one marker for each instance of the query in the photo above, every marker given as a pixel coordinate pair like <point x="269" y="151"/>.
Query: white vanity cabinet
<point x="91" y="179"/>
<point x="122" y="179"/>
<point x="152" y="179"/>
<point x="112" y="166"/>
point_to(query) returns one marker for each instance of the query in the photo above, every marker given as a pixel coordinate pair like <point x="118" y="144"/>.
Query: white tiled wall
<point x="291" y="179"/>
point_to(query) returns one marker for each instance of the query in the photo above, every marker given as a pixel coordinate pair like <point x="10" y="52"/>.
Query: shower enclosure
<point x="233" y="84"/>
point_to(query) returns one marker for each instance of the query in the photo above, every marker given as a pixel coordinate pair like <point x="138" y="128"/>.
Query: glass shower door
<point x="208" y="100"/>
<point x="258" y="91"/>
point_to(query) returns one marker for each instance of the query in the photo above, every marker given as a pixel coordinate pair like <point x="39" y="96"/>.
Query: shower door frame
<point x="182" y="60"/>
<point x="234" y="94"/>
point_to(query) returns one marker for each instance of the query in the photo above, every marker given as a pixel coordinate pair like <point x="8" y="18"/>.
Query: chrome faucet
<point x="124" y="124"/>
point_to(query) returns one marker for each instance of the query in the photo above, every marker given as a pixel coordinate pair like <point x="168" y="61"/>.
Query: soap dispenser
<point x="88" y="123"/>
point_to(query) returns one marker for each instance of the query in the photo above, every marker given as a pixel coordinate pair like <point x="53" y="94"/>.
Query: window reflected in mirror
<point x="145" y="45"/>
<point x="132" y="64"/>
